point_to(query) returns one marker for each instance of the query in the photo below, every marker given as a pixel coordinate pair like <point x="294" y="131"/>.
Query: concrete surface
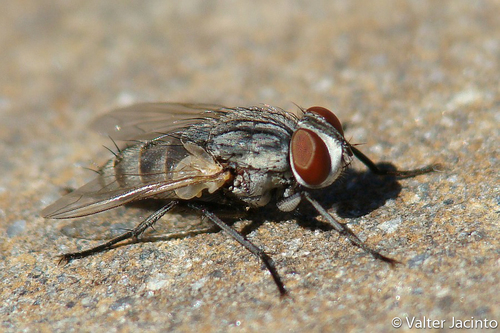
<point x="415" y="81"/>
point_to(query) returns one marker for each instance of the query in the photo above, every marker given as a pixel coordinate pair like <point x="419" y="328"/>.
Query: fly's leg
<point x="268" y="262"/>
<point x="343" y="230"/>
<point x="401" y="173"/>
<point x="131" y="234"/>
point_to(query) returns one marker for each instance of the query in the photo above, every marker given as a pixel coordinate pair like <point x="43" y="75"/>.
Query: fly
<point x="196" y="154"/>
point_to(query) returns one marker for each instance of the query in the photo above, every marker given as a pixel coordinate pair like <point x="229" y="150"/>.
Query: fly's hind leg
<point x="268" y="262"/>
<point x="130" y="234"/>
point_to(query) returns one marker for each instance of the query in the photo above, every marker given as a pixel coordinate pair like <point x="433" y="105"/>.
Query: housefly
<point x="193" y="155"/>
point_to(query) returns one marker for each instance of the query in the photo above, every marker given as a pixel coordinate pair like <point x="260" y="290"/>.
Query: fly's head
<point x="318" y="150"/>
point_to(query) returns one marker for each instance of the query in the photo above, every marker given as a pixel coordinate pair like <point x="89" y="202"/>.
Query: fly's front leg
<point x="131" y="234"/>
<point x="343" y="230"/>
<point x="400" y="173"/>
<point x="268" y="262"/>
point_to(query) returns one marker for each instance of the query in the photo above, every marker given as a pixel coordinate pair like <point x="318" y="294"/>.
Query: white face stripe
<point x="335" y="143"/>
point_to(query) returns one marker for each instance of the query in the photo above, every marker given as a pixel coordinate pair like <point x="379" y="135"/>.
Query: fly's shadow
<point x="181" y="222"/>
<point x="358" y="193"/>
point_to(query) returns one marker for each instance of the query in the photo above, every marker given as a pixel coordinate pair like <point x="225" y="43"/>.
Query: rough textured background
<point x="415" y="81"/>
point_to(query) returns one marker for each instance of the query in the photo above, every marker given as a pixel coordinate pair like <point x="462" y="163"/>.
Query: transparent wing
<point x="138" y="121"/>
<point x="101" y="194"/>
<point x="141" y="120"/>
<point x="104" y="193"/>
<point x="195" y="170"/>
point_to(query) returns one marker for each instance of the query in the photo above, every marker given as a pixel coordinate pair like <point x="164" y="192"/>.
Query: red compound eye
<point x="329" y="116"/>
<point x="311" y="159"/>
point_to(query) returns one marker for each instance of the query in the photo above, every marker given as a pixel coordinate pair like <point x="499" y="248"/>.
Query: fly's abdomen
<point x="147" y="163"/>
<point x="165" y="168"/>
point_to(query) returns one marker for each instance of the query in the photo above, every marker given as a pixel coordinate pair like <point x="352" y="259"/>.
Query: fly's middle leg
<point x="130" y="234"/>
<point x="266" y="259"/>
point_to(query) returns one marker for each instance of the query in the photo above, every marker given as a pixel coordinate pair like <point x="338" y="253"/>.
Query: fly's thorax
<point x="251" y="145"/>
<point x="318" y="150"/>
<point x="256" y="188"/>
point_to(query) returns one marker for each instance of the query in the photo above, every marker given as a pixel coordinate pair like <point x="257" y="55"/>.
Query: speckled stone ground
<point x="416" y="82"/>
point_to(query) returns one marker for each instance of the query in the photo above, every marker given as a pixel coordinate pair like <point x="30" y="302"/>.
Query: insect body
<point x="195" y="153"/>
